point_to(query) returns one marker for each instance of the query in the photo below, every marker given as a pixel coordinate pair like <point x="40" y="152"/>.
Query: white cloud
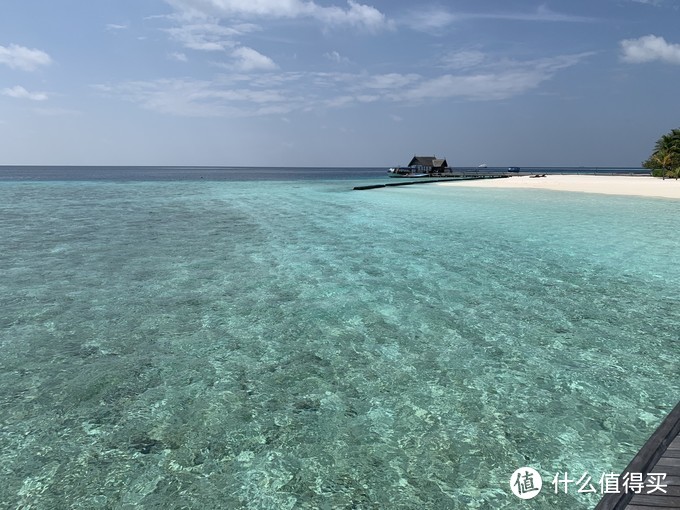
<point x="649" y="49"/>
<point x="542" y="13"/>
<point x="279" y="93"/>
<point x="481" y="87"/>
<point x="178" y="56"/>
<point x="389" y="81"/>
<point x="435" y="19"/>
<point x="20" y="57"/>
<point x="355" y="14"/>
<point x="358" y="15"/>
<point x="20" y="92"/>
<point x="428" y="19"/>
<point x="464" y="59"/>
<point x="221" y="25"/>
<point x="500" y="80"/>
<point x="116" y="26"/>
<point x="207" y="36"/>
<point x="334" y="56"/>
<point x="248" y="59"/>
<point x="226" y="97"/>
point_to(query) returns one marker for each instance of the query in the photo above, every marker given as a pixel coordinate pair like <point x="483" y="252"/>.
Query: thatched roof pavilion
<point x="428" y="164"/>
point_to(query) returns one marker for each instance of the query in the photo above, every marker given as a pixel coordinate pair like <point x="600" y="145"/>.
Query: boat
<point x="483" y="165"/>
<point x="405" y="172"/>
<point x="513" y="169"/>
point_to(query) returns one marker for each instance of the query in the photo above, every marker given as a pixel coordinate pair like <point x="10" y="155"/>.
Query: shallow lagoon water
<point x="273" y="345"/>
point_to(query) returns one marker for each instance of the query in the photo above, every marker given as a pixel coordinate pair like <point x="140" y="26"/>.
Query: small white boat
<point x="483" y="165"/>
<point x="405" y="172"/>
<point x="410" y="175"/>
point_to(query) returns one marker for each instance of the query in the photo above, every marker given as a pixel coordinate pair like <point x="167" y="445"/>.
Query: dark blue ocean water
<point x="182" y="173"/>
<point x="210" y="173"/>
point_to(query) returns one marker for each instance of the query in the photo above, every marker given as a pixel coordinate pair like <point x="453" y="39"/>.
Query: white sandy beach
<point x="644" y="186"/>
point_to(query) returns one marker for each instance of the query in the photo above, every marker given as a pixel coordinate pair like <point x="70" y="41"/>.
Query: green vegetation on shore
<point x="665" y="160"/>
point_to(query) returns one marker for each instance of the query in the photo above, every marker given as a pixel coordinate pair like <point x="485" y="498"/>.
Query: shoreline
<point x="642" y="186"/>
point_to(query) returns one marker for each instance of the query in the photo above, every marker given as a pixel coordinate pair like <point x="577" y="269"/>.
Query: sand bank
<point x="643" y="186"/>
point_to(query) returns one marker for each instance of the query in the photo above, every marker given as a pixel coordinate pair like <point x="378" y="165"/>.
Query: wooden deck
<point x="660" y="454"/>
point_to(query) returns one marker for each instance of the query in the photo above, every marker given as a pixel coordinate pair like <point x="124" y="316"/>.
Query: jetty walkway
<point x="659" y="455"/>
<point x="427" y="180"/>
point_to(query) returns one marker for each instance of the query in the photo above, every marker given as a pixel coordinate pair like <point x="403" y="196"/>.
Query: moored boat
<point x="405" y="172"/>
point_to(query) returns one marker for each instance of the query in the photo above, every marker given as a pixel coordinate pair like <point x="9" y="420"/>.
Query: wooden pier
<point x="427" y="180"/>
<point x="660" y="454"/>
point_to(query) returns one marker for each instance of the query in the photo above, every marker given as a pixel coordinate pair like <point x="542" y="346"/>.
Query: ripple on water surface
<point x="296" y="345"/>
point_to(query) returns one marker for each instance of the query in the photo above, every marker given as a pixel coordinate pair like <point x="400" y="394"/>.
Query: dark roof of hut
<point x="430" y="161"/>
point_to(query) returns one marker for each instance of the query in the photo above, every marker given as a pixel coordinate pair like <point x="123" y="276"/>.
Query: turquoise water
<point x="280" y="345"/>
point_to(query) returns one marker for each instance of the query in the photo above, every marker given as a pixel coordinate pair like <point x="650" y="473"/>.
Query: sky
<point x="335" y="83"/>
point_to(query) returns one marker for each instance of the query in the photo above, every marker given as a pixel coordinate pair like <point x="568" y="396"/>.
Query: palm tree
<point x="663" y="159"/>
<point x="666" y="155"/>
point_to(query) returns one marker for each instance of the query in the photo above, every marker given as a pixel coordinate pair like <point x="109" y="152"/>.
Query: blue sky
<point x="335" y="82"/>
